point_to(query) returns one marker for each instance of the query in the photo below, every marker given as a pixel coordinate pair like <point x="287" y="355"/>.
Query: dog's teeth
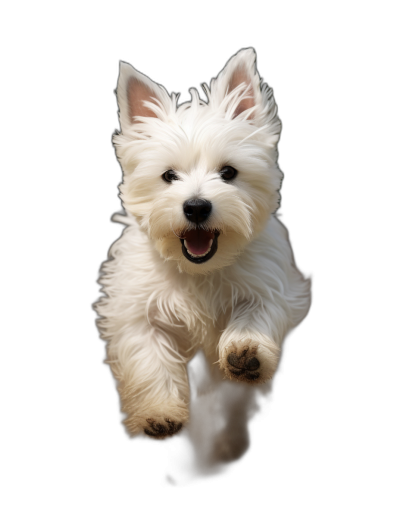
<point x="185" y="244"/>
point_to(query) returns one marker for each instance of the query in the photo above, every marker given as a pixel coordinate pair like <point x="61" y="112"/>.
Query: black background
<point x="299" y="439"/>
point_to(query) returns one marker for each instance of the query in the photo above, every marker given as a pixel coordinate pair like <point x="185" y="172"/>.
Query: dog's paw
<point x="156" y="420"/>
<point x="249" y="361"/>
<point x="159" y="429"/>
<point x="242" y="362"/>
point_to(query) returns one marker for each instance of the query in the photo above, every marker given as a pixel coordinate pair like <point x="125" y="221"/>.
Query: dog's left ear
<point x="239" y="71"/>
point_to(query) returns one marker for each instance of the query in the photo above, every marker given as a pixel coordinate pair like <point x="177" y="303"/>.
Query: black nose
<point x="197" y="210"/>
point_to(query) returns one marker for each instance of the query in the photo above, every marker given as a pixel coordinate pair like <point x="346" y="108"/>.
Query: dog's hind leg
<point x="219" y="427"/>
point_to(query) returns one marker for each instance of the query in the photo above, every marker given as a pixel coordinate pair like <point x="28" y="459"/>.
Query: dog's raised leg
<point x="152" y="377"/>
<point x="249" y="346"/>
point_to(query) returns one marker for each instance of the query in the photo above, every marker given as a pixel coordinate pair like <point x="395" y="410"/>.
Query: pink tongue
<point x="198" y="240"/>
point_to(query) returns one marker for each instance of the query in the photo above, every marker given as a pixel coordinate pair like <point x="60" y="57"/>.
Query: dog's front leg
<point x="249" y="346"/>
<point x="152" y="378"/>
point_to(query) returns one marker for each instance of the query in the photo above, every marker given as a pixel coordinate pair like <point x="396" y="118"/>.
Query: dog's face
<point x="202" y="177"/>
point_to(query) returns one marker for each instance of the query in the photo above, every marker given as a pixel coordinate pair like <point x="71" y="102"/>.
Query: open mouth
<point x="199" y="245"/>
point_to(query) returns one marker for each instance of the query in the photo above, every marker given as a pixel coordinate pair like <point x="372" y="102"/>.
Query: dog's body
<point x="203" y="262"/>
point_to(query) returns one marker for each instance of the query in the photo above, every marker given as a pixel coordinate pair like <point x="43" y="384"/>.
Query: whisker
<point x="172" y="228"/>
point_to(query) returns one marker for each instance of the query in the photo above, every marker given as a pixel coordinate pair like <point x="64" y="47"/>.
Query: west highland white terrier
<point x="203" y="262"/>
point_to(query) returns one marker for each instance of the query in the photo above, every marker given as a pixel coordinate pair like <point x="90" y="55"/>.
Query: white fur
<point x="159" y="307"/>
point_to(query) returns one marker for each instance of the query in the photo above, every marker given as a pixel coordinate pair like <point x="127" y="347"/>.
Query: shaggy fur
<point x="160" y="307"/>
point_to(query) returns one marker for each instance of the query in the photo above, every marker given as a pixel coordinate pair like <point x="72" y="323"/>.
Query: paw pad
<point x="244" y="364"/>
<point x="159" y="430"/>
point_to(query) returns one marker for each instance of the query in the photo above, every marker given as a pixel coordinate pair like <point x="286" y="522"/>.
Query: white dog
<point x="203" y="262"/>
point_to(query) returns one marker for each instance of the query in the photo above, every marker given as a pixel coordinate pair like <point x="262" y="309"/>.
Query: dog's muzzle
<point x="199" y="245"/>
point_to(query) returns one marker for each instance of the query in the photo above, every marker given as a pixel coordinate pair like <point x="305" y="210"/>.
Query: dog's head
<point x="202" y="177"/>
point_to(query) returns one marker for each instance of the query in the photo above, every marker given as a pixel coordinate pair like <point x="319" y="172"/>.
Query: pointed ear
<point x="239" y="70"/>
<point x="138" y="96"/>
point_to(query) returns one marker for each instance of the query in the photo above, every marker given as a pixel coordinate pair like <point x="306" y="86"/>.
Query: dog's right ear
<point x="138" y="97"/>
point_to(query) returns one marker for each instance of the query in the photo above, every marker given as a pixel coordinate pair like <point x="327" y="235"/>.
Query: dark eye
<point x="169" y="176"/>
<point x="228" y="173"/>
